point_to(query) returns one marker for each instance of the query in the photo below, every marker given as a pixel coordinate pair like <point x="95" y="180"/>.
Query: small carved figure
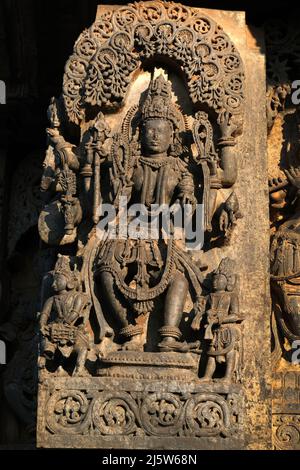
<point x="222" y="329"/>
<point x="64" y="317"/>
<point x="95" y="154"/>
<point x="285" y="248"/>
<point x="59" y="178"/>
<point x="229" y="216"/>
<point x="285" y="257"/>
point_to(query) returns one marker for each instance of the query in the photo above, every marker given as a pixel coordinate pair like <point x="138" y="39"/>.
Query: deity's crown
<point x="62" y="266"/>
<point x="226" y="267"/>
<point x="159" y="103"/>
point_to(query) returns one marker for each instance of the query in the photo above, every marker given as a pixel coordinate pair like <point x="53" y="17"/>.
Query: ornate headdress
<point x="226" y="268"/>
<point x="159" y="103"/>
<point x="62" y="266"/>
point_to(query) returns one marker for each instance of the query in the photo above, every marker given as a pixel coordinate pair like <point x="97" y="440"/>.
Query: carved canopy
<point x="105" y="57"/>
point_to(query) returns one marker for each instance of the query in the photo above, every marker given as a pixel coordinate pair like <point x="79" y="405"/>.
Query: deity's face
<point x="157" y="136"/>
<point x="219" y="282"/>
<point x="59" y="283"/>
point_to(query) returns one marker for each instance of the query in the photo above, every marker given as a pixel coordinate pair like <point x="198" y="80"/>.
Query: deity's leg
<point x="210" y="369"/>
<point x="82" y="353"/>
<point x="132" y="333"/>
<point x="48" y="349"/>
<point x="115" y="306"/>
<point x="174" y="304"/>
<point x="293" y="307"/>
<point x="230" y="365"/>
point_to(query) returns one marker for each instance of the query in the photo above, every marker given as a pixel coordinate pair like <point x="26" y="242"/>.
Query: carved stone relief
<point x="142" y="336"/>
<point x="283" y="149"/>
<point x="25" y="266"/>
<point x="121" y="341"/>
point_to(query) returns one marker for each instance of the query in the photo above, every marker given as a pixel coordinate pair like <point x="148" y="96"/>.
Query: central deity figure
<point x="148" y="169"/>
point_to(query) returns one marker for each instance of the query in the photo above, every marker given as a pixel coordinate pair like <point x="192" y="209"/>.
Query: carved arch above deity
<point x="122" y="40"/>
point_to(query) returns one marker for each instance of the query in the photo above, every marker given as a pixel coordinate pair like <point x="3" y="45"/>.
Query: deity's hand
<point x="44" y="330"/>
<point x="53" y="135"/>
<point x="293" y="175"/>
<point x="188" y="199"/>
<point x="231" y="128"/>
<point x="213" y="167"/>
<point x="224" y="221"/>
<point x="175" y="206"/>
<point x="69" y="319"/>
<point x="212" y="317"/>
<point x="277" y="191"/>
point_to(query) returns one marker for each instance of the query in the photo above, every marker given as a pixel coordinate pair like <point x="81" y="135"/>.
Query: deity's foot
<point x="105" y="347"/>
<point x="171" y="344"/>
<point x="134" y="344"/>
<point x="223" y="381"/>
<point x="80" y="372"/>
<point x="60" y="372"/>
<point x="42" y="363"/>
<point x="205" y="379"/>
<point x="195" y="347"/>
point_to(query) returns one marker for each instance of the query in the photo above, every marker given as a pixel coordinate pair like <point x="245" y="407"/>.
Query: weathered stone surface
<point x="124" y="413"/>
<point x="171" y="374"/>
<point x="145" y="343"/>
<point x="283" y="153"/>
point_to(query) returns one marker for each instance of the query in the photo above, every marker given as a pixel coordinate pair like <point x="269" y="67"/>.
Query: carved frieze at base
<point x="124" y="413"/>
<point x="286" y="431"/>
<point x="286" y="408"/>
